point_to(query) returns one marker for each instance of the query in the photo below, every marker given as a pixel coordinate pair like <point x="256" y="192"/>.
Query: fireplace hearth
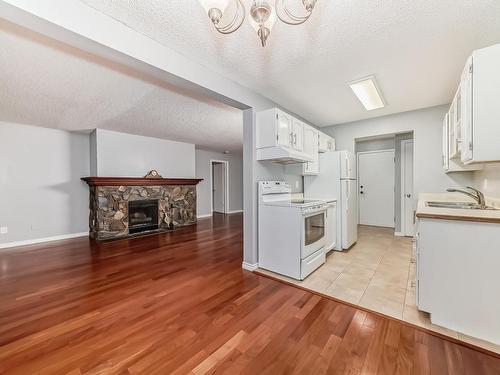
<point x="143" y="215"/>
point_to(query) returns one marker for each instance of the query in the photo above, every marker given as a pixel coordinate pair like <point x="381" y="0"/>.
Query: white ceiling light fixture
<point x="368" y="93"/>
<point x="262" y="15"/>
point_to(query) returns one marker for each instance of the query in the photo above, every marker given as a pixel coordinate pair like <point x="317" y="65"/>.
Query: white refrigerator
<point x="337" y="180"/>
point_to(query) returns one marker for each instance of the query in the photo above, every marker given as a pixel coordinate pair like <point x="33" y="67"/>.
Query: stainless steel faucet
<point x="478" y="196"/>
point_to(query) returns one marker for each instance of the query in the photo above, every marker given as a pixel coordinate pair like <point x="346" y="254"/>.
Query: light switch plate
<point x="4" y="230"/>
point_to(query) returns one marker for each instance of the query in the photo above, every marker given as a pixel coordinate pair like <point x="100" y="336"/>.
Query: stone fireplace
<point x="121" y="207"/>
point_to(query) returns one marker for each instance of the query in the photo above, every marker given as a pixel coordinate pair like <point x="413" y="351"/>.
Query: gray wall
<point x="235" y="161"/>
<point x="426" y="125"/>
<point x="121" y="154"/>
<point x="41" y="191"/>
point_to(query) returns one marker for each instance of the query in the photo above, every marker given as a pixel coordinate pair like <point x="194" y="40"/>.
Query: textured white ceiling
<point x="46" y="83"/>
<point x="416" y="49"/>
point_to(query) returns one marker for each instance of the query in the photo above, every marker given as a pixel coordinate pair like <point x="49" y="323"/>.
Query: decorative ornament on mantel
<point x="262" y="15"/>
<point x="153" y="174"/>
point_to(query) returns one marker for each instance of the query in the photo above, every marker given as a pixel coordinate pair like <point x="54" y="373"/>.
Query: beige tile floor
<point x="377" y="273"/>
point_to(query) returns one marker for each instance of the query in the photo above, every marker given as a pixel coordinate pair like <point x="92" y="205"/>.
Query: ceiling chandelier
<point x="262" y="15"/>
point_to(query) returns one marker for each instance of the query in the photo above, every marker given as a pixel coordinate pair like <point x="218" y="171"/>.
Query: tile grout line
<point x="371" y="278"/>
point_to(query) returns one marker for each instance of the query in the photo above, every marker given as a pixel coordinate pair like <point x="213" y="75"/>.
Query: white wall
<point x="41" y="191"/>
<point x="426" y="126"/>
<point x="235" y="161"/>
<point x="121" y="154"/>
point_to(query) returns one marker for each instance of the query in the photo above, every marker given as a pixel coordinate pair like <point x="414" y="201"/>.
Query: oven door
<point x="314" y="233"/>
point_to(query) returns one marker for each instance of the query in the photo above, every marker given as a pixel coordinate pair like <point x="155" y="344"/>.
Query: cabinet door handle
<point x="291" y="138"/>
<point x="295" y="139"/>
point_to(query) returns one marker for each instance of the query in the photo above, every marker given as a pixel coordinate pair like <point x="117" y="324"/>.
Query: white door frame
<point x="403" y="230"/>
<point x="226" y="185"/>
<point x="357" y="172"/>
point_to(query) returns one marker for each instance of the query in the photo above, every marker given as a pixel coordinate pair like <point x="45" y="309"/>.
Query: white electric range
<point x="291" y="232"/>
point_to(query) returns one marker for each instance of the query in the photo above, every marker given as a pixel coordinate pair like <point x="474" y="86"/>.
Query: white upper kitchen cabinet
<point x="280" y="137"/>
<point x="311" y="149"/>
<point x="445" y="156"/>
<point x="454" y="126"/>
<point x="325" y="143"/>
<point x="480" y="107"/>
<point x="298" y="134"/>
<point x="453" y="164"/>
<point x="274" y="128"/>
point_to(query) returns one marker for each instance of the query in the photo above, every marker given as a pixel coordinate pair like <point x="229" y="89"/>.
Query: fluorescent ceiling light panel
<point x="368" y="93"/>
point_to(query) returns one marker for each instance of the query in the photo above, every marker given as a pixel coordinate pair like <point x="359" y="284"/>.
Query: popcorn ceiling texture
<point x="417" y="50"/>
<point x="49" y="84"/>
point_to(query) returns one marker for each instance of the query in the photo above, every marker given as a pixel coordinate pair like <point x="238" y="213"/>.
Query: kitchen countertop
<point x="486" y="216"/>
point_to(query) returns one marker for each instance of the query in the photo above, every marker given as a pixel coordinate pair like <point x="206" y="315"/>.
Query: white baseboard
<point x="399" y="234"/>
<point x="42" y="240"/>
<point x="203" y="216"/>
<point x="249" y="266"/>
<point x="234" y="212"/>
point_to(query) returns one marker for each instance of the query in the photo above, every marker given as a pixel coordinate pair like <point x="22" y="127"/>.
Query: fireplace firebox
<point x="143" y="215"/>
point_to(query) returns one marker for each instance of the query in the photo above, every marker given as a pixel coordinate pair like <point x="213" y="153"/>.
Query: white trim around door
<point x="225" y="183"/>
<point x="407" y="202"/>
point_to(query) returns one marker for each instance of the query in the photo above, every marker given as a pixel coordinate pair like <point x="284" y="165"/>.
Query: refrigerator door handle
<point x="347" y="194"/>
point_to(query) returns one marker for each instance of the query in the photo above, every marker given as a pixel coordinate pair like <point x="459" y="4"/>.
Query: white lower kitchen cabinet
<point x="458" y="275"/>
<point x="331" y="226"/>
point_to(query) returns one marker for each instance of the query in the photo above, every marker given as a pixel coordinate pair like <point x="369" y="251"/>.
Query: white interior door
<point x="376" y="188"/>
<point x="408" y="226"/>
<point x="218" y="191"/>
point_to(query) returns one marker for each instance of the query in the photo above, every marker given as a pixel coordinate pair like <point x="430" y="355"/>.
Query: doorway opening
<point x="385" y="182"/>
<point x="219" y="177"/>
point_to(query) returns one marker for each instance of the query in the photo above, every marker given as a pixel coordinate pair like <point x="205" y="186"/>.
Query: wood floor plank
<point x="180" y="303"/>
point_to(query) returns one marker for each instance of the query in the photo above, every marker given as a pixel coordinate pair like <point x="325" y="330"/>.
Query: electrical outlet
<point x="4" y="230"/>
<point x="296" y="184"/>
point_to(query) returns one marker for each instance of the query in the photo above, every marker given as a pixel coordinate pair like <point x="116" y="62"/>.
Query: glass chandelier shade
<point x="262" y="15"/>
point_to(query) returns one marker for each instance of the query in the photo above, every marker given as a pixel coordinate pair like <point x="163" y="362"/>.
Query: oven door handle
<point x="312" y="213"/>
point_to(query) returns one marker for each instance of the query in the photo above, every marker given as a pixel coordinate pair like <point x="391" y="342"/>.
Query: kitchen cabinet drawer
<point x="312" y="262"/>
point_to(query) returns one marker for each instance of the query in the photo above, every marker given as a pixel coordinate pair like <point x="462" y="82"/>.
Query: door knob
<point x="408" y="195"/>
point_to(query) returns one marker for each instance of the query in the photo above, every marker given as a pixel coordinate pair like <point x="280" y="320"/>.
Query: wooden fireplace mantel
<point x="139" y="181"/>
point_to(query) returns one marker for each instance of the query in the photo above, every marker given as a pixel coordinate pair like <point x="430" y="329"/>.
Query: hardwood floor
<point x="179" y="303"/>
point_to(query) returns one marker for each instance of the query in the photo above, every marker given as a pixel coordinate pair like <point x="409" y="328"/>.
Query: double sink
<point x="459" y="205"/>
